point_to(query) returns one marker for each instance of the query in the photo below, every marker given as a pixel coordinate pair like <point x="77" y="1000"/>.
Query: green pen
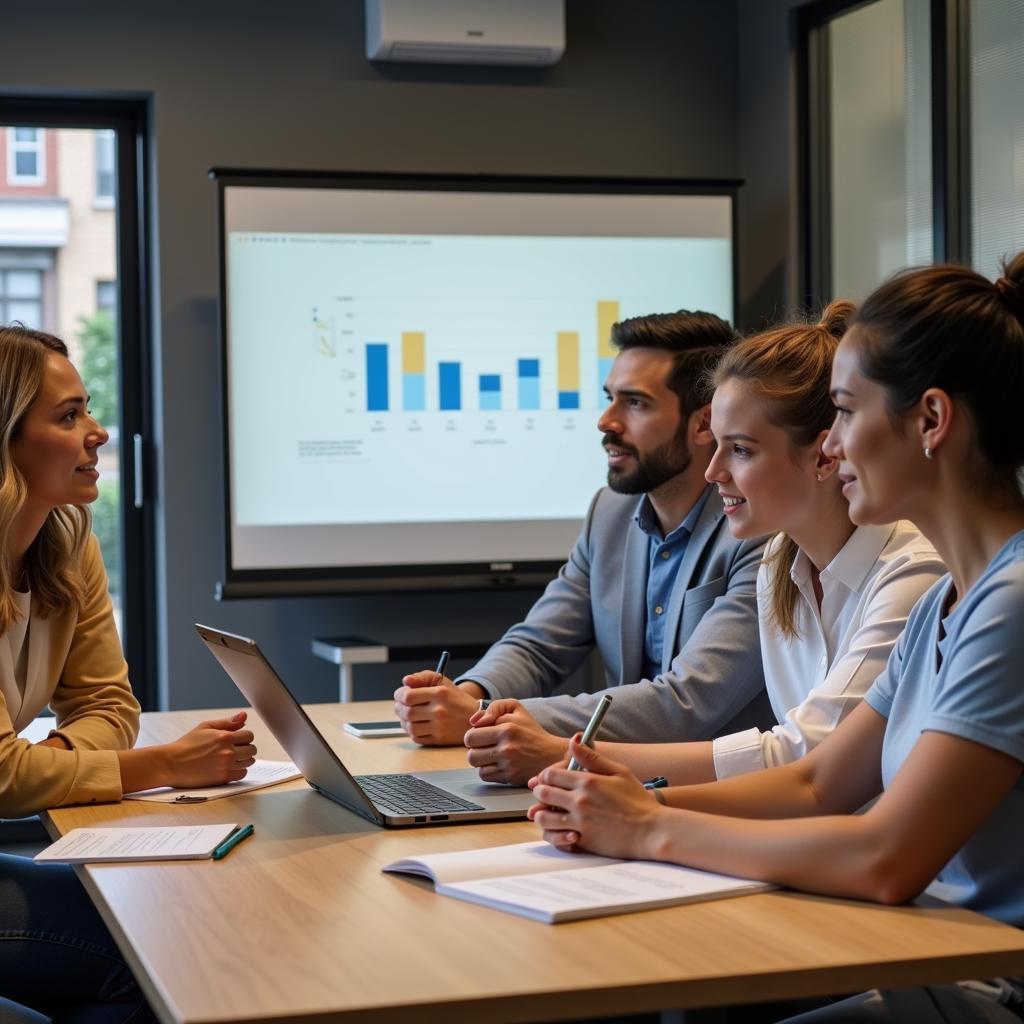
<point x="232" y="841"/>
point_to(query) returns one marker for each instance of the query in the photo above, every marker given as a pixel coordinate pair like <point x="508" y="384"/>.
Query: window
<point x="996" y="43"/>
<point x="26" y="156"/>
<point x="106" y="297"/>
<point x="105" y="167"/>
<point x="880" y="147"/>
<point x="21" y="297"/>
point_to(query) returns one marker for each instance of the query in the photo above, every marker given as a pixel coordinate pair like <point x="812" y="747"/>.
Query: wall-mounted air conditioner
<point x="512" y="32"/>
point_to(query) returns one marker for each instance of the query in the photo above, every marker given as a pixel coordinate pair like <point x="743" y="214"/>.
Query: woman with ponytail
<point x="927" y="382"/>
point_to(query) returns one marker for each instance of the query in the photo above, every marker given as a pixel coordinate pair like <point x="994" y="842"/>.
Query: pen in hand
<point x="442" y="663"/>
<point x="590" y="733"/>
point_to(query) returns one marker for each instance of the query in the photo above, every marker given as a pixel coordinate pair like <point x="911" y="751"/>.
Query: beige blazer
<point x="76" y="666"/>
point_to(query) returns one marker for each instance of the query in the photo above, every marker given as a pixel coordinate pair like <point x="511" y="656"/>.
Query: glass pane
<point x="24" y="311"/>
<point x="24" y="284"/>
<point x="106" y="295"/>
<point x="105" y="164"/>
<point x="997" y="132"/>
<point x="26" y="164"/>
<point x="880" y="115"/>
<point x="64" y="299"/>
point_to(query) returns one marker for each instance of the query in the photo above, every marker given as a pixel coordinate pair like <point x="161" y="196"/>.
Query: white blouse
<point x="816" y="678"/>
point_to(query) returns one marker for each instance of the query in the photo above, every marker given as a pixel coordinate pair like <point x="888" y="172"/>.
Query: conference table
<point x="299" y="924"/>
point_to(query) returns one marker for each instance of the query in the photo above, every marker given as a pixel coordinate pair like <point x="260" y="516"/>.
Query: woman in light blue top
<point x="927" y="383"/>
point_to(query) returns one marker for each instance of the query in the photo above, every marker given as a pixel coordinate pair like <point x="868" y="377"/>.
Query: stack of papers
<point x="262" y="773"/>
<point x="174" y="842"/>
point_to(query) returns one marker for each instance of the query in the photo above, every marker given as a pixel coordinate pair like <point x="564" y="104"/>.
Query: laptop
<point x="393" y="800"/>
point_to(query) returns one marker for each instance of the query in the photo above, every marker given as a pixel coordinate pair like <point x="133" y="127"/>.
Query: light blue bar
<point x="529" y="392"/>
<point x="414" y="392"/>
<point x="490" y="401"/>
<point x="604" y="367"/>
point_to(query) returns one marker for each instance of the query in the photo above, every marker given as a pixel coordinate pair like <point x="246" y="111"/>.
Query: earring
<point x="928" y="453"/>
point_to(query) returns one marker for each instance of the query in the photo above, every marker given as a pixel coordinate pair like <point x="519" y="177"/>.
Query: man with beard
<point x="655" y="582"/>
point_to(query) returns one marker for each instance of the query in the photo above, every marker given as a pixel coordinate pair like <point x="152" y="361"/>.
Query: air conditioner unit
<point x="511" y="32"/>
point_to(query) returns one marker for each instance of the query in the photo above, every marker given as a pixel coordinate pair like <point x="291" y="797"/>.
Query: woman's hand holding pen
<point x="603" y="809"/>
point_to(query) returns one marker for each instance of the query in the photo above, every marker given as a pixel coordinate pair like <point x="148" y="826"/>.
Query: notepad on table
<point x="261" y="774"/>
<point x="539" y="881"/>
<point x="174" y="842"/>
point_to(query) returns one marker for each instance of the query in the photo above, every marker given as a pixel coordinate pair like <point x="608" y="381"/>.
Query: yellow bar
<point x="414" y="358"/>
<point x="607" y="314"/>
<point x="568" y="360"/>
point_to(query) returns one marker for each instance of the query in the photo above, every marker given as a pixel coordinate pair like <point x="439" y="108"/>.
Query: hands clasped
<point x="603" y="809"/>
<point x="211" y="754"/>
<point x="507" y="744"/>
<point x="433" y="710"/>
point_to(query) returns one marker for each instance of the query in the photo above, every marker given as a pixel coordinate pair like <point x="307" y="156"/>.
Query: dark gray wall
<point x="647" y="87"/>
<point x="767" y="222"/>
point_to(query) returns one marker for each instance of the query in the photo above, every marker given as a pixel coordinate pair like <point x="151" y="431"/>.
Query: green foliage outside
<point x="97" y="338"/>
<point x="106" y="514"/>
<point x="98" y="367"/>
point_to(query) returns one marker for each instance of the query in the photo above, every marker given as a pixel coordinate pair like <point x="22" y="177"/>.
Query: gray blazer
<point x="711" y="681"/>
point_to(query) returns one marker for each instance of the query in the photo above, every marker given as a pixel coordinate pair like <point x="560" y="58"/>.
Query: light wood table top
<point x="299" y="923"/>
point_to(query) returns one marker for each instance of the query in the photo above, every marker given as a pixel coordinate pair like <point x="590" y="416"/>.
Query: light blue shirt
<point x="664" y="557"/>
<point x="970" y="683"/>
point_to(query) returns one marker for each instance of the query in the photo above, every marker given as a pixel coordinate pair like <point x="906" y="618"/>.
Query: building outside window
<point x="26" y="156"/>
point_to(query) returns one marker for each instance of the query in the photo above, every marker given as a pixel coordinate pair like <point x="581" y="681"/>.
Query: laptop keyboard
<point x="409" y="795"/>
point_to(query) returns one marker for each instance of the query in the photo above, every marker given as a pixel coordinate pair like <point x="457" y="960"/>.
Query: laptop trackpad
<point x="465" y="782"/>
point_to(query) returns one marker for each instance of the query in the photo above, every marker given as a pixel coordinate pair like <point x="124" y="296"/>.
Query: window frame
<point x="130" y="118"/>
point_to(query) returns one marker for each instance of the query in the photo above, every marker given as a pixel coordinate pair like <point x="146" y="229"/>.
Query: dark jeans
<point x="56" y="955"/>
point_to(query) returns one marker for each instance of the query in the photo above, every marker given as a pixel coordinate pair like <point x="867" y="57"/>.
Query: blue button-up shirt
<point x="664" y="558"/>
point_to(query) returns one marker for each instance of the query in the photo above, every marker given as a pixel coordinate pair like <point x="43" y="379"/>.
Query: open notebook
<point x="538" y="881"/>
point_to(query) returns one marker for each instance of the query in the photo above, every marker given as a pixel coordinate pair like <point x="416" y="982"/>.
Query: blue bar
<point x="377" y="378"/>
<point x="529" y="392"/>
<point x="490" y="401"/>
<point x="490" y="391"/>
<point x="490" y="382"/>
<point x="529" y="367"/>
<point x="568" y="399"/>
<point x="414" y="392"/>
<point x="604" y="367"/>
<point x="451" y="386"/>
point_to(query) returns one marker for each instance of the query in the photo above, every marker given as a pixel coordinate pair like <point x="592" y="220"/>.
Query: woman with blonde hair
<point x="59" y="647"/>
<point x="927" y="383"/>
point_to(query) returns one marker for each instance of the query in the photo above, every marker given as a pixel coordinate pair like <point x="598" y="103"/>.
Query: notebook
<point x="538" y="881"/>
<point x="393" y="800"/>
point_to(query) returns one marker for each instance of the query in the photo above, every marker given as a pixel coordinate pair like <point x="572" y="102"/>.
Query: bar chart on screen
<point x="396" y="360"/>
<point x="490" y="361"/>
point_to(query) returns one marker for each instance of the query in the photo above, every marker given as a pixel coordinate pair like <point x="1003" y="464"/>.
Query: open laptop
<point x="419" y="798"/>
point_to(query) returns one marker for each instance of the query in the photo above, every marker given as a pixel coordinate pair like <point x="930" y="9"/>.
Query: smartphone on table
<point x="370" y="730"/>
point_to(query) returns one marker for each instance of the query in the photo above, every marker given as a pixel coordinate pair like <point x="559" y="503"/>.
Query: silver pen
<point x="590" y="733"/>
